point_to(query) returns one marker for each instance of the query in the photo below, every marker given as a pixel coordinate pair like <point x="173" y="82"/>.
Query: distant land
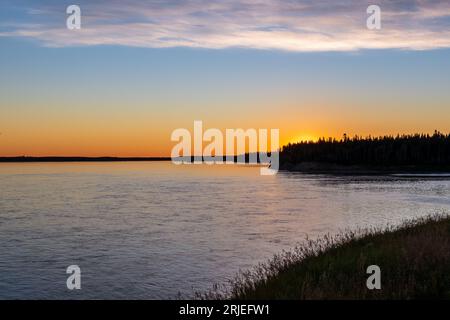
<point x="418" y="153"/>
<point x="110" y="159"/>
<point x="102" y="159"/>
<point x="80" y="159"/>
<point x="365" y="155"/>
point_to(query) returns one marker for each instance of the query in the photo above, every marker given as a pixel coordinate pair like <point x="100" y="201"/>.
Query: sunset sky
<point x="137" y="71"/>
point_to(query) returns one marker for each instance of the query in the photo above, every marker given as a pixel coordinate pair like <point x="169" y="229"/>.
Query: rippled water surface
<point x="152" y="229"/>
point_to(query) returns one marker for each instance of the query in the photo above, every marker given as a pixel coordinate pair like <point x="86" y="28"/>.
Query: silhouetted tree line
<point x="417" y="149"/>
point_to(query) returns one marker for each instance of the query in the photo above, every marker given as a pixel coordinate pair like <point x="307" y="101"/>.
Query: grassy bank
<point x="414" y="260"/>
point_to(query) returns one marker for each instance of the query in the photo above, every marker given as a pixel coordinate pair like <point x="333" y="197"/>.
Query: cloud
<point x="260" y="24"/>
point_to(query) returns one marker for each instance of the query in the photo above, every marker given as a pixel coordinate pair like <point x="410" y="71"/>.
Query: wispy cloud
<point x="302" y="25"/>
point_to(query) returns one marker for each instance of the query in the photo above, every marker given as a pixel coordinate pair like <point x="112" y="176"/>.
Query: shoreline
<point x="313" y="168"/>
<point x="414" y="259"/>
<point x="79" y="159"/>
<point x="337" y="169"/>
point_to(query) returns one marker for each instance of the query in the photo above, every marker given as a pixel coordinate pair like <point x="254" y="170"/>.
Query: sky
<point x="137" y="70"/>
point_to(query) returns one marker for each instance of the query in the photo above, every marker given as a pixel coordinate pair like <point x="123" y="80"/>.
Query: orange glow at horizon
<point x="303" y="137"/>
<point x="146" y="133"/>
<point x="97" y="143"/>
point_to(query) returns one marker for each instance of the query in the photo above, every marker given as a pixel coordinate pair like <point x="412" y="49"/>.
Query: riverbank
<point x="332" y="168"/>
<point x="414" y="260"/>
<point x="80" y="159"/>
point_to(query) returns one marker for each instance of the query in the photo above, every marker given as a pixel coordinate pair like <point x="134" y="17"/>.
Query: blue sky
<point x="118" y="81"/>
<point x="293" y="25"/>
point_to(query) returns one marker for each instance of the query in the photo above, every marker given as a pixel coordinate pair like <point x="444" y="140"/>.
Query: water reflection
<point x="152" y="229"/>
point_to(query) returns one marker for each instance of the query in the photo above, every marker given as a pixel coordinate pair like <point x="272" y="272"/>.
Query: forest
<point x="401" y="150"/>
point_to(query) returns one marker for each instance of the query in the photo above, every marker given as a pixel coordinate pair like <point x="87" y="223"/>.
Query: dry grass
<point x="414" y="260"/>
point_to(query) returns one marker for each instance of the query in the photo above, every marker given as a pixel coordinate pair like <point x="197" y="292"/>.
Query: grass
<point x="414" y="260"/>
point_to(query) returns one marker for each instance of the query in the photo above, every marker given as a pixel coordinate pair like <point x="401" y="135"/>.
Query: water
<point x="150" y="230"/>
